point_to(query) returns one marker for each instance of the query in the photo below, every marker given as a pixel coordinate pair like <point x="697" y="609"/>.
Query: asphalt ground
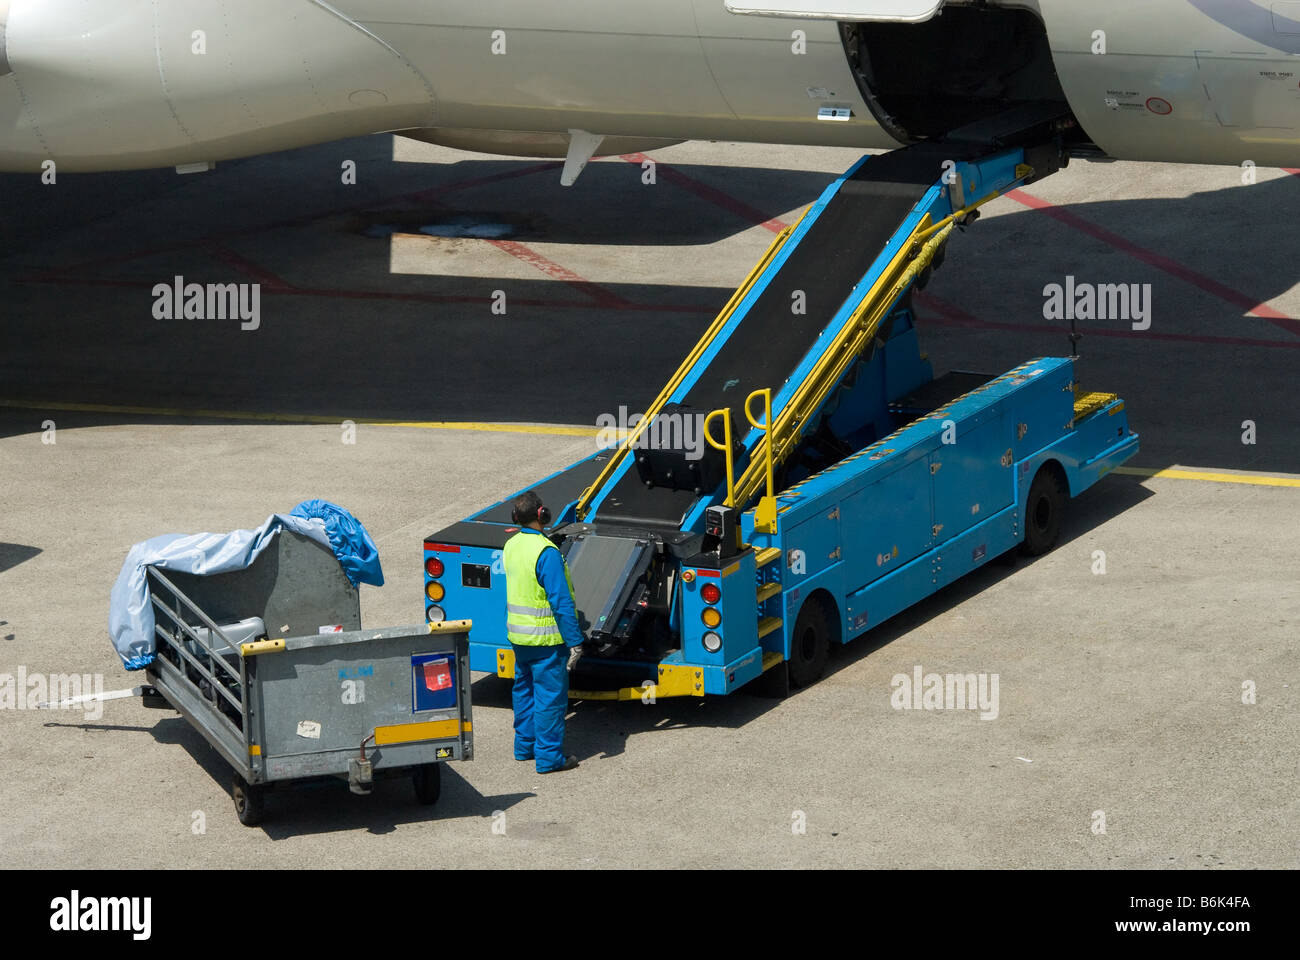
<point x="1121" y="694"/>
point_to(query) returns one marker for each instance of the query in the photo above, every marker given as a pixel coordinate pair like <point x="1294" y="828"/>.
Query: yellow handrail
<point x="725" y="414"/>
<point x="584" y="502"/>
<point x="852" y="339"/>
<point x="765" y="512"/>
<point x="1023" y="172"/>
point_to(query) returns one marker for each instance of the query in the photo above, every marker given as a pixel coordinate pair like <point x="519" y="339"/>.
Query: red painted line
<point x="953" y="313"/>
<point x="304" y="219"/>
<point x="270" y="282"/>
<point x="390" y="295"/>
<point x="948" y="315"/>
<point x="711" y="194"/>
<point x="472" y="182"/>
<point x="937" y="311"/>
<point x="552" y="269"/>
<point x="1160" y="262"/>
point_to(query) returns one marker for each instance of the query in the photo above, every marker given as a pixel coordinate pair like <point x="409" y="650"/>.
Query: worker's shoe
<point x="569" y="763"/>
<point x="529" y="757"/>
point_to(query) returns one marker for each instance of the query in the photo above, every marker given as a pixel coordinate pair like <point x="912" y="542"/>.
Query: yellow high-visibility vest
<point x="530" y="621"/>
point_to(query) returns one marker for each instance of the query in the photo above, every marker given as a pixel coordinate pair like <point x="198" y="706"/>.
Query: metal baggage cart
<point x="271" y="666"/>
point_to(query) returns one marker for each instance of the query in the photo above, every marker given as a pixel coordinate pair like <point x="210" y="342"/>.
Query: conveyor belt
<point x="770" y="341"/>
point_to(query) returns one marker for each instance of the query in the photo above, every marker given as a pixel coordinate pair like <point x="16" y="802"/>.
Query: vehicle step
<point x="767" y="625"/>
<point x="768" y="590"/>
<point x="764" y="557"/>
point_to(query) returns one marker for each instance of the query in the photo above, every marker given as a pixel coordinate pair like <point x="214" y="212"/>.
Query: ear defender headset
<point x="542" y="516"/>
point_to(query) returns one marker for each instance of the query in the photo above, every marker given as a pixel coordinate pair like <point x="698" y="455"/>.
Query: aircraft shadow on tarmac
<point x="426" y="347"/>
<point x="600" y="729"/>
<point x="326" y="805"/>
<point x="12" y="554"/>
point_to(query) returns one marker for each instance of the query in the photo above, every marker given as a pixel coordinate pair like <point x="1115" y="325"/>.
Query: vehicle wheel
<point x="1044" y="511"/>
<point x="809" y="644"/>
<point x="250" y="801"/>
<point x="428" y="783"/>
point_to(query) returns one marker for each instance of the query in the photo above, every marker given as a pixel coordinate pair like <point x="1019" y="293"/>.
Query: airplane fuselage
<point x="128" y="84"/>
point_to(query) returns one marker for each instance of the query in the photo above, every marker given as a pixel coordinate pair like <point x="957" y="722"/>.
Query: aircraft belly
<point x="676" y="69"/>
<point x="1175" y="85"/>
<point x="107" y="85"/>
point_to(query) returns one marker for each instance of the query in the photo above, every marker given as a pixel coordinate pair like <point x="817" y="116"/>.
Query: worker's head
<point x="529" y="511"/>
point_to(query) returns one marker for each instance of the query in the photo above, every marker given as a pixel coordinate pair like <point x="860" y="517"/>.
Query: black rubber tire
<point x="809" y="644"/>
<point x="250" y="801"/>
<point x="1044" y="511"/>
<point x="428" y="783"/>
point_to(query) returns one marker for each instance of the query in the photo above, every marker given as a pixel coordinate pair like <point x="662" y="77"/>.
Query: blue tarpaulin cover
<point x="130" y="614"/>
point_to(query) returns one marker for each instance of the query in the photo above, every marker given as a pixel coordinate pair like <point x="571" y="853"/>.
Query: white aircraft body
<point x="98" y="85"/>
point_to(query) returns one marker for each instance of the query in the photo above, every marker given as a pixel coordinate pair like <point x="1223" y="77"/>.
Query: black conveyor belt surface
<point x="770" y="340"/>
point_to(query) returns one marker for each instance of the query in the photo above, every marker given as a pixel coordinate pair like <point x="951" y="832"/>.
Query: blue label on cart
<point x="433" y="682"/>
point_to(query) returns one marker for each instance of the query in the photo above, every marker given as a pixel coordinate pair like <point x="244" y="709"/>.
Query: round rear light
<point x="711" y="593"/>
<point x="711" y="617"/>
<point x="435" y="614"/>
<point x="712" y="642"/>
<point x="434" y="591"/>
<point x="433" y="566"/>
<point x="688" y="576"/>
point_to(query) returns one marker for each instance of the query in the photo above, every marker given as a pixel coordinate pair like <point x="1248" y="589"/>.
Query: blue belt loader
<point x="841" y="482"/>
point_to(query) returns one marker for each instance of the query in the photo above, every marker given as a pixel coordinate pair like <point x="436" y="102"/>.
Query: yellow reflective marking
<point x="506" y="664"/>
<point x="411" y="732"/>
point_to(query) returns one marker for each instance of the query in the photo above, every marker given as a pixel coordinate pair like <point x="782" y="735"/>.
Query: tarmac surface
<point x="1121" y="694"/>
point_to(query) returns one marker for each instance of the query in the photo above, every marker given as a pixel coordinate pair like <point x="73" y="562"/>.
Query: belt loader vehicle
<point x="842" y="481"/>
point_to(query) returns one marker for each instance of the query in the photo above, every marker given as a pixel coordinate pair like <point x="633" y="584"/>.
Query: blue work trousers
<point x="541" y="699"/>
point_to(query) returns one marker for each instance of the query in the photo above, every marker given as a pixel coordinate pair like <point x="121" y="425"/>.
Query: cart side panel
<point x="326" y="694"/>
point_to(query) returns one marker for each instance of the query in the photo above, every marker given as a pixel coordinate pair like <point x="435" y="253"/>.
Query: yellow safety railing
<point x="584" y="502"/>
<point x="725" y="447"/>
<point x="765" y="512"/>
<point x="860" y="329"/>
<point x="1023" y="172"/>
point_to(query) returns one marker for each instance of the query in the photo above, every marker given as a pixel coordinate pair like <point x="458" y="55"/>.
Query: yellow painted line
<point x="204" y="414"/>
<point x="1171" y="474"/>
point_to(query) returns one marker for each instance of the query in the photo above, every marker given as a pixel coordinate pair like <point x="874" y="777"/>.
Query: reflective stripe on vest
<point x="530" y="622"/>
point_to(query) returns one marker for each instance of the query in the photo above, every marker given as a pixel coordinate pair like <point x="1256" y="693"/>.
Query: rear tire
<point x="428" y="783"/>
<point x="250" y="801"/>
<point x="1044" y="511"/>
<point x="809" y="644"/>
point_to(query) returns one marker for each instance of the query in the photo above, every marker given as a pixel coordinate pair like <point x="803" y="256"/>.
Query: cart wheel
<point x="1043" y="512"/>
<point x="428" y="783"/>
<point x="250" y="801"/>
<point x="809" y="644"/>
